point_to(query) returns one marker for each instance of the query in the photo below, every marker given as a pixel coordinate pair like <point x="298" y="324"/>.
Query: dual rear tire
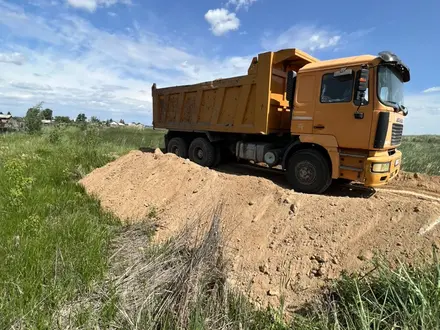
<point x="178" y="146"/>
<point x="200" y="151"/>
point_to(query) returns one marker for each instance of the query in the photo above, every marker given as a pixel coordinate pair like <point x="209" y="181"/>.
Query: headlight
<point x="380" y="167"/>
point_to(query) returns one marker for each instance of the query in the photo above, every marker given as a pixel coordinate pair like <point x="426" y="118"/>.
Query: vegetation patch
<point x="54" y="238"/>
<point x="421" y="154"/>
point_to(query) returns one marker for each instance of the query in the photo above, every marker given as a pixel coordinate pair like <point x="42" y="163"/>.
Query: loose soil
<point x="279" y="243"/>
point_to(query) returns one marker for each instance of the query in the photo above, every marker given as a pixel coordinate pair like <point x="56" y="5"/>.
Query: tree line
<point x="35" y="116"/>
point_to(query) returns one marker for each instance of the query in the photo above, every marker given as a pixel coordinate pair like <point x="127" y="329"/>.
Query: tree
<point x="62" y="120"/>
<point x="47" y="114"/>
<point x="32" y="119"/>
<point x="122" y="121"/>
<point x="9" y="113"/>
<point x="95" y="120"/>
<point x="81" y="118"/>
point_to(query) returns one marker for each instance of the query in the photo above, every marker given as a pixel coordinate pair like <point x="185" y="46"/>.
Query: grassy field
<point x="54" y="238"/>
<point x="421" y="154"/>
<point x="55" y="246"/>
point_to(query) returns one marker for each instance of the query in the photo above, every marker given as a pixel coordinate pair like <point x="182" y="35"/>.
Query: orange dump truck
<point x="315" y="120"/>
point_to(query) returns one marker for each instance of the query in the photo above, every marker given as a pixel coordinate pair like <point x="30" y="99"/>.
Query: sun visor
<point x="392" y="58"/>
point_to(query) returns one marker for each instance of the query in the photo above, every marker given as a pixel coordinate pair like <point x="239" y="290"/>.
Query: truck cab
<point x="353" y="107"/>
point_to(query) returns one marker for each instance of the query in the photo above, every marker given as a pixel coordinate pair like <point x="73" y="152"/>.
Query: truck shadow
<point x="277" y="177"/>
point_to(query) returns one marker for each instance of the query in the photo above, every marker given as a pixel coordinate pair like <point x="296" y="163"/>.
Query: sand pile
<point x="279" y="242"/>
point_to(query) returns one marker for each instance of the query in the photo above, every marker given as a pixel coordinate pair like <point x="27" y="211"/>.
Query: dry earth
<point x="278" y="242"/>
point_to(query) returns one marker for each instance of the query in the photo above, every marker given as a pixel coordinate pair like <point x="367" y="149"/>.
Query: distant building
<point x="47" y="122"/>
<point x="4" y="119"/>
<point x="135" y="125"/>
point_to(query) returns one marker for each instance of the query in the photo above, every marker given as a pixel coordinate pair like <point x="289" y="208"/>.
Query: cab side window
<point x="337" y="89"/>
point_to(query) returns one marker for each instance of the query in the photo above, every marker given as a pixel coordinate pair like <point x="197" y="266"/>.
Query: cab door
<point x="336" y="111"/>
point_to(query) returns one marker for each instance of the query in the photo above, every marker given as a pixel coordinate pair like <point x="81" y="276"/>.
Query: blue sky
<point x="101" y="57"/>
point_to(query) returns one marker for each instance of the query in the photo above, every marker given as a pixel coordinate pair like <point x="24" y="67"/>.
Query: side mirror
<point x="361" y="85"/>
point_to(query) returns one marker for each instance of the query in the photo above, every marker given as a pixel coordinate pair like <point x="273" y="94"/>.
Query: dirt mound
<point x="279" y="242"/>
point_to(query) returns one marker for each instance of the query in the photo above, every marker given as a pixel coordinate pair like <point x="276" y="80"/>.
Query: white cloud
<point x="312" y="38"/>
<point x="112" y="14"/>
<point x="222" y="21"/>
<point x="432" y="90"/>
<point x="14" y="58"/>
<point x="92" y="5"/>
<point x="30" y="86"/>
<point x="305" y="37"/>
<point x="239" y="4"/>
<point x="424" y="113"/>
<point x="89" y="5"/>
<point x="43" y="3"/>
<point x="74" y="66"/>
<point x="15" y="19"/>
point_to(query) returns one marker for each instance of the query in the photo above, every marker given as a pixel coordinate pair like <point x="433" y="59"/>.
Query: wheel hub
<point x="199" y="153"/>
<point x="305" y="172"/>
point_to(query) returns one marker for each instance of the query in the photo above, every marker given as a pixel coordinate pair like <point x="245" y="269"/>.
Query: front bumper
<point x="378" y="179"/>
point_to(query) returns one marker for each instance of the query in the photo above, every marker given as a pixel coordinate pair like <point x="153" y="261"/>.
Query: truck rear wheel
<point x="308" y="171"/>
<point x="202" y="152"/>
<point x="178" y="146"/>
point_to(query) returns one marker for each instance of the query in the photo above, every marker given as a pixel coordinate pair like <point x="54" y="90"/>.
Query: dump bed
<point x="255" y="103"/>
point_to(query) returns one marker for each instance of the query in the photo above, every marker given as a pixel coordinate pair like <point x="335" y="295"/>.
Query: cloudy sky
<point x="102" y="56"/>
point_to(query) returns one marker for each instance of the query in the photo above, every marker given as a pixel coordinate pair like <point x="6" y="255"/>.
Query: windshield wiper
<point x="399" y="108"/>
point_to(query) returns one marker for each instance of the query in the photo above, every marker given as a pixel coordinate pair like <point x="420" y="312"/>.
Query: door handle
<point x="319" y="127"/>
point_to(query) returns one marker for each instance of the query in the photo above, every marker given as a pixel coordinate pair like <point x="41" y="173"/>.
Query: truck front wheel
<point x="202" y="152"/>
<point x="308" y="171"/>
<point x="178" y="146"/>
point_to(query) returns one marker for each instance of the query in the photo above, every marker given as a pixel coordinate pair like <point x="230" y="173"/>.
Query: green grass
<point x="53" y="237"/>
<point x="407" y="297"/>
<point x="55" y="244"/>
<point x="421" y="154"/>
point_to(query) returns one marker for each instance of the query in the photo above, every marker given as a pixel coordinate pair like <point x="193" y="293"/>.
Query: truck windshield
<point x="390" y="86"/>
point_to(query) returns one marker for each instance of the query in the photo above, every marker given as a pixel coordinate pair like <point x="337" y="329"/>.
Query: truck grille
<point x="396" y="136"/>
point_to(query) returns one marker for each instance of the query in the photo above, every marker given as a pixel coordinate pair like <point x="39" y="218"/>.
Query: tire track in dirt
<point x="425" y="195"/>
